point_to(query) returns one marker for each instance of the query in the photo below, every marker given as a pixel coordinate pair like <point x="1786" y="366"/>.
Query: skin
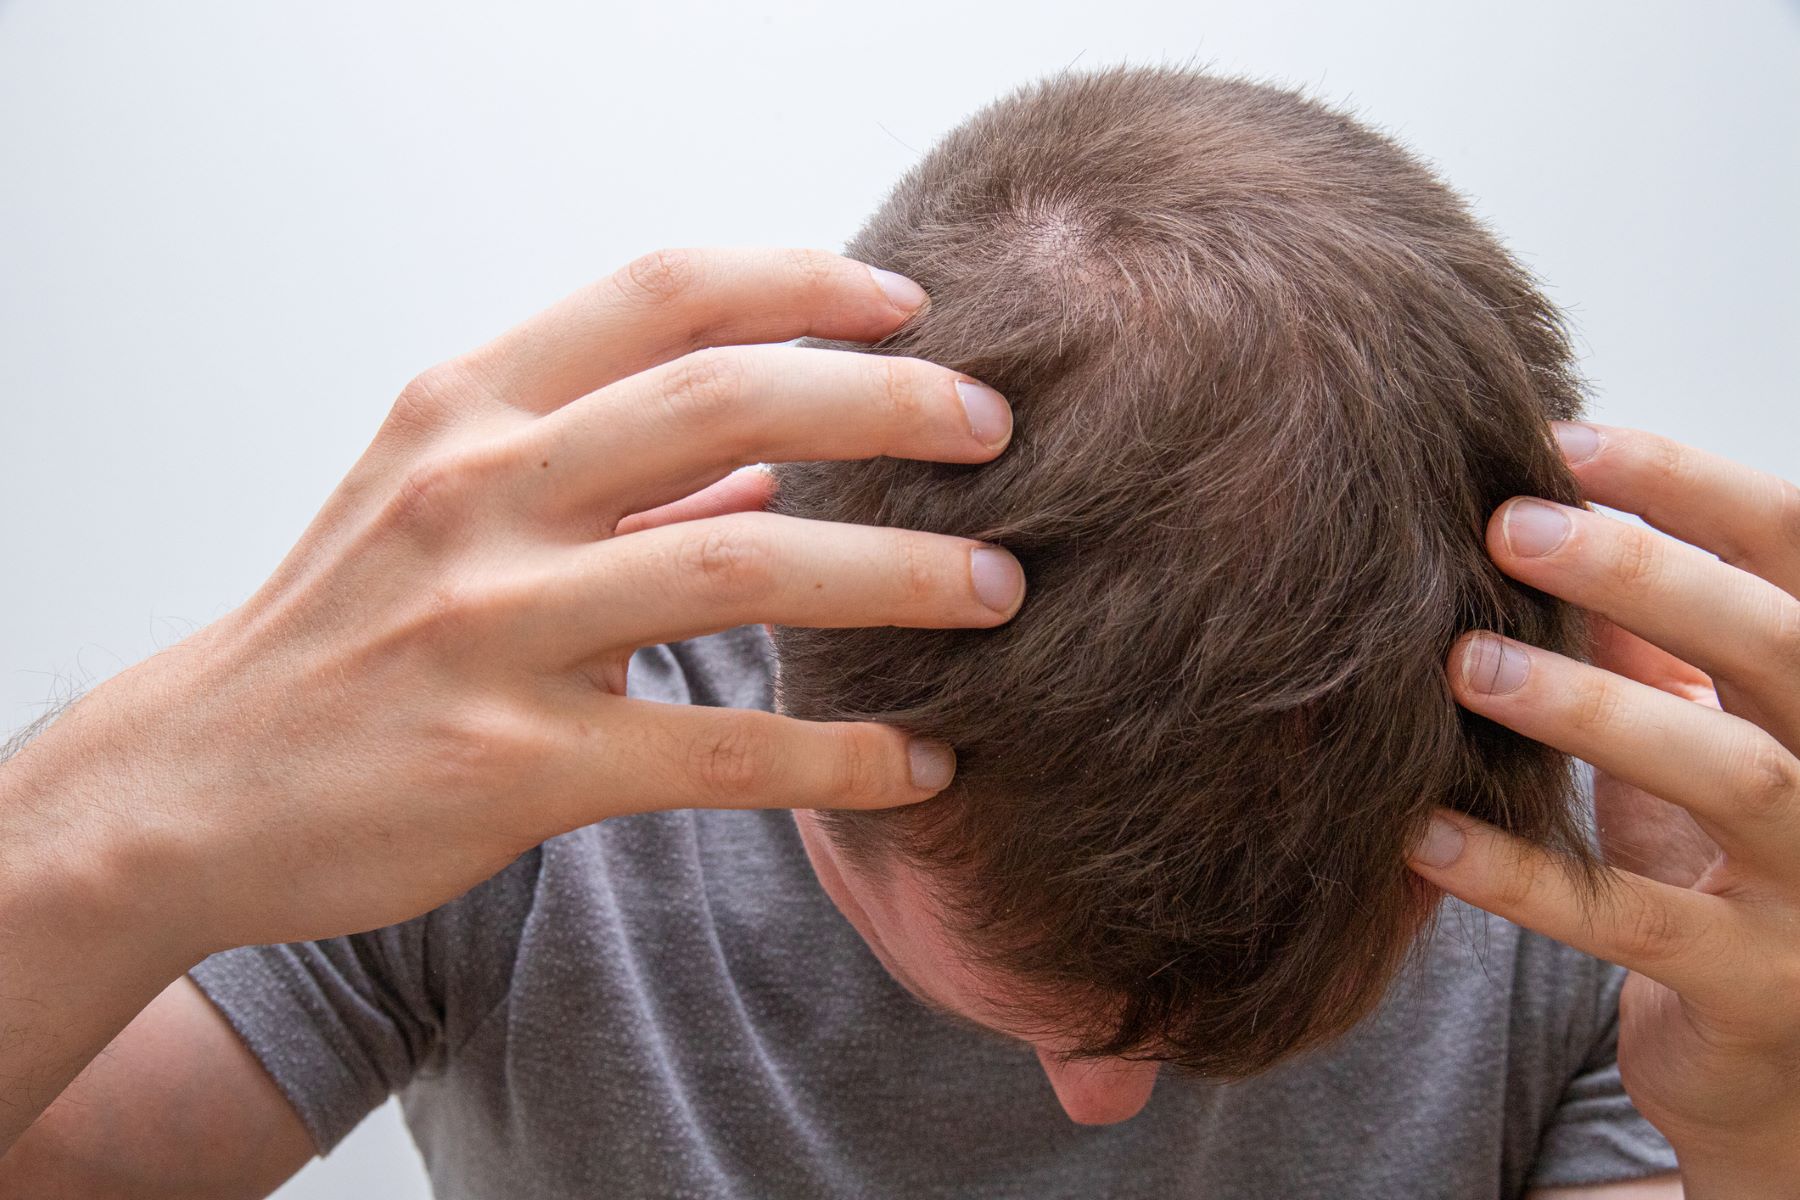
<point x="895" y="916"/>
<point x="1697" y="793"/>
<point x="440" y="665"/>
<point x="1690" y="713"/>
<point x="1692" y="725"/>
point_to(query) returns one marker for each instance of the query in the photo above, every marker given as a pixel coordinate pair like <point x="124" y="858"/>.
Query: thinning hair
<point x="1270" y="378"/>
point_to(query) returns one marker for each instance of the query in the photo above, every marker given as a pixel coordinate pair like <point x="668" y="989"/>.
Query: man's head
<point x="1269" y="379"/>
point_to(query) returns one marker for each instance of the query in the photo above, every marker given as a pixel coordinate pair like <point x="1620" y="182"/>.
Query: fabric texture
<point x="669" y="1005"/>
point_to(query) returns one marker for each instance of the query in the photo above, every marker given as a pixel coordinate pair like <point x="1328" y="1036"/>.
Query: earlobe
<point x="1099" y="1091"/>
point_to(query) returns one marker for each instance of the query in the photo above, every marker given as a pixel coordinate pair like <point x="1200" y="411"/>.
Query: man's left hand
<point x="1690" y="714"/>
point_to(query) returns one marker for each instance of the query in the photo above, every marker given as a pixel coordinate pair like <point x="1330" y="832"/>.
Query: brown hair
<point x="1269" y="378"/>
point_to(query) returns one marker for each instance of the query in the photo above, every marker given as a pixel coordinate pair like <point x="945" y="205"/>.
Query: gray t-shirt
<point x="669" y="1005"/>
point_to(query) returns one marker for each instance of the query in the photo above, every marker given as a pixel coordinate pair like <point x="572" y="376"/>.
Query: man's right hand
<point x="433" y="681"/>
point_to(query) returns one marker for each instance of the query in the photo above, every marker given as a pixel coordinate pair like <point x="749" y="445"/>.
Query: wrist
<point x="71" y="872"/>
<point x="79" y="956"/>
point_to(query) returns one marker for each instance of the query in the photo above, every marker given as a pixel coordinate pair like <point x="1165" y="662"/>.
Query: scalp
<point x="1269" y="378"/>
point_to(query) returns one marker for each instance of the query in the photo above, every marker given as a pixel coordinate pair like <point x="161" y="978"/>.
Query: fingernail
<point x="932" y="764"/>
<point x="990" y="417"/>
<point x="1532" y="528"/>
<point x="901" y="292"/>
<point x="999" y="579"/>
<point x="1493" y="665"/>
<point x="1578" y="442"/>
<point x="1441" y="845"/>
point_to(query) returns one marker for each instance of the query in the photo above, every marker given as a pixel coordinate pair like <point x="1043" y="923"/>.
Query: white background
<point x="230" y="232"/>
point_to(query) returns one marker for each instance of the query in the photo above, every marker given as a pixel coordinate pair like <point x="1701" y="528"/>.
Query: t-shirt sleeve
<point x="1596" y="1135"/>
<point x="342" y="1023"/>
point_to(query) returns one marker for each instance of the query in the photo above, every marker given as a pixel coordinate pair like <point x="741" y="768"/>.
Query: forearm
<point x="81" y="952"/>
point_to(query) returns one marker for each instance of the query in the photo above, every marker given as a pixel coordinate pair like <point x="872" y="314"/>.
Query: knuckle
<point x="703" y="388"/>
<point x="1649" y="932"/>
<point x="727" y="558"/>
<point x="863" y="771"/>
<point x="435" y="397"/>
<point x="1594" y="707"/>
<point x="429" y="498"/>
<point x="441" y="492"/>
<point x="453" y="614"/>
<point x="817" y="270"/>
<point x="659" y="277"/>
<point x="902" y="391"/>
<point x="918" y="576"/>
<point x="1769" y="780"/>
<point x="732" y="762"/>
<point x="1637" y="558"/>
<point x="1666" y="459"/>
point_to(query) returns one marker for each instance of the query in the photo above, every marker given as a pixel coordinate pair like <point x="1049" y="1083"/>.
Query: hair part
<point x="1269" y="379"/>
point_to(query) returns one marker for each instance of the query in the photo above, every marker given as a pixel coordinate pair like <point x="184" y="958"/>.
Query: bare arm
<point x="1660" y="1187"/>
<point x="434" y="679"/>
<point x="176" y="1106"/>
<point x="75" y="966"/>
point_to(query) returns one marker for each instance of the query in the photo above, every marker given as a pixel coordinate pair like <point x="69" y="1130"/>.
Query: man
<point x="435" y="682"/>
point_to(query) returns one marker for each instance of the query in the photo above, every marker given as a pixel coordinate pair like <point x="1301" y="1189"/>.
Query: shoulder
<point x="1485" y="1016"/>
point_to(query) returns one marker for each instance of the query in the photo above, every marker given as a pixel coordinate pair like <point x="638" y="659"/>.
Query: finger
<point x="1639" y="832"/>
<point x="1742" y="787"/>
<point x="1668" y="933"/>
<point x="666" y="432"/>
<point x="1625" y="653"/>
<point x="667" y="303"/>
<point x="669" y="756"/>
<point x="1747" y="517"/>
<point x="680" y="581"/>
<point x="740" y="491"/>
<point x="1657" y="587"/>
